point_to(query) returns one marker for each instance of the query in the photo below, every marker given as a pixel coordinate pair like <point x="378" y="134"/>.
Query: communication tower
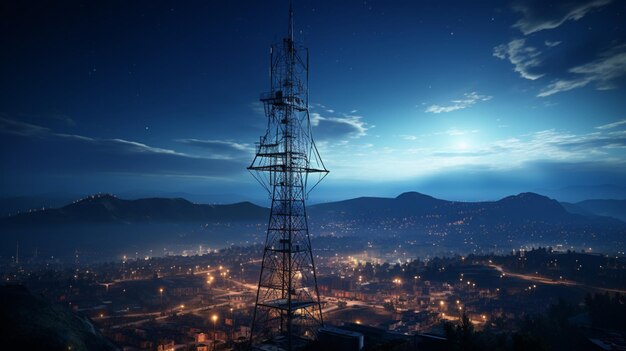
<point x="288" y="165"/>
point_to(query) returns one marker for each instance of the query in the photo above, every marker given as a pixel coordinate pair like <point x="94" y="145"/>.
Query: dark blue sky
<point x="463" y="100"/>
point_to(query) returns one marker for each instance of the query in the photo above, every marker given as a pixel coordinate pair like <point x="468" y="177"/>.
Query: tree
<point x="389" y="306"/>
<point x="462" y="336"/>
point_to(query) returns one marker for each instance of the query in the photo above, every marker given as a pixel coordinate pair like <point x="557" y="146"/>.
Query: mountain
<point x="101" y="227"/>
<point x="522" y="207"/>
<point x="369" y="207"/>
<point x="105" y="223"/>
<point x="523" y="219"/>
<point x="105" y="208"/>
<point x="574" y="194"/>
<point x="611" y="208"/>
<point x="109" y="209"/>
<point x="198" y="198"/>
<point x="18" y="204"/>
<point x="575" y="209"/>
<point x="30" y="322"/>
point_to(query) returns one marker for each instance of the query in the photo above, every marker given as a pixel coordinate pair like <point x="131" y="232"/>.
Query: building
<point x="331" y="338"/>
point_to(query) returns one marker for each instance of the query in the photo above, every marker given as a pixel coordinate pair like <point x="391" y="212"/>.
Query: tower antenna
<point x="290" y="32"/>
<point x="287" y="164"/>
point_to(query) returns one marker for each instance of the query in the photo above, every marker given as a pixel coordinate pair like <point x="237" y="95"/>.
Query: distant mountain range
<point x="522" y="207"/>
<point x="522" y="219"/>
<point x="580" y="193"/>
<point x="20" y="204"/>
<point x="108" y="209"/>
<point x="16" y="204"/>
<point x="10" y="206"/>
<point x="609" y="208"/>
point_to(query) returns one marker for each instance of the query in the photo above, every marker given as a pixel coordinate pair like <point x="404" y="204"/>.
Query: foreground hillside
<point x="31" y="322"/>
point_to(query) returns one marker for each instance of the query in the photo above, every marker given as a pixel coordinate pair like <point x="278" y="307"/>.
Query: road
<point x="330" y="305"/>
<point x="178" y="312"/>
<point x="548" y="281"/>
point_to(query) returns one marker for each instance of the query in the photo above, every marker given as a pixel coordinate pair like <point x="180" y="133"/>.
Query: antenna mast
<point x="288" y="165"/>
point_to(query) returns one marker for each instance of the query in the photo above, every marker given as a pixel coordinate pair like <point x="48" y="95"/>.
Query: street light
<point x="214" y="319"/>
<point x="209" y="281"/>
<point x="232" y="324"/>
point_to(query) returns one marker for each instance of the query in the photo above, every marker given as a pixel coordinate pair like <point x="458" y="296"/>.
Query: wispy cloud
<point x="457" y="132"/>
<point x="24" y="129"/>
<point x="524" y="58"/>
<point x="464" y="149"/>
<point x="541" y="15"/>
<point x="478" y="153"/>
<point x="603" y="71"/>
<point x="544" y="144"/>
<point x="10" y="126"/>
<point x="468" y="100"/>
<point x="339" y="127"/>
<point x="221" y="149"/>
<point x="612" y="125"/>
<point x="258" y="108"/>
<point x="583" y="144"/>
<point x="552" y="44"/>
<point x="51" y="151"/>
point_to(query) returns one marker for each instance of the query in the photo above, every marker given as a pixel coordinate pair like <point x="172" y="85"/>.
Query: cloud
<point x="346" y="126"/>
<point x="612" y="125"/>
<point x="468" y="100"/>
<point x="221" y="149"/>
<point x="603" y="71"/>
<point x="553" y="145"/>
<point x="466" y="150"/>
<point x="24" y="129"/>
<point x="588" y="143"/>
<point x="524" y="58"/>
<point x="258" y="108"/>
<point x="21" y="128"/>
<point x="47" y="151"/>
<point x="462" y="153"/>
<point x="557" y="145"/>
<point x="552" y="44"/>
<point x="540" y="15"/>
<point x="456" y="132"/>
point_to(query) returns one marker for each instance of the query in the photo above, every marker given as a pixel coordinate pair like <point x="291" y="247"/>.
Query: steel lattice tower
<point x="288" y="165"/>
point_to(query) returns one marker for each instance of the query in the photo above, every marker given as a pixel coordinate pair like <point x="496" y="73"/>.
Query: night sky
<point x="461" y="100"/>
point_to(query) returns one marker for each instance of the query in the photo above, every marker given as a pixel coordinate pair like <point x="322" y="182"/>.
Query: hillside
<point x="522" y="207"/>
<point x="611" y="208"/>
<point x="110" y="209"/>
<point x="30" y="322"/>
